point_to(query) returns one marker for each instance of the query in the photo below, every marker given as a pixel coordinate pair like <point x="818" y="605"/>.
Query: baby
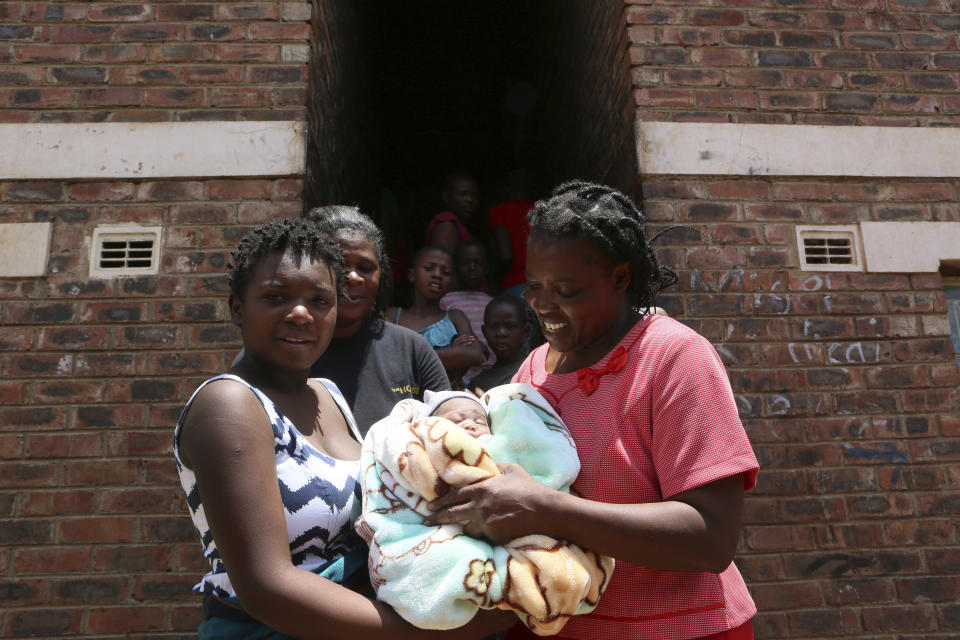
<point x="436" y="576"/>
<point x="462" y="409"/>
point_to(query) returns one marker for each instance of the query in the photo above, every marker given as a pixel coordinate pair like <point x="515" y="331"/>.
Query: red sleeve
<point x="697" y="434"/>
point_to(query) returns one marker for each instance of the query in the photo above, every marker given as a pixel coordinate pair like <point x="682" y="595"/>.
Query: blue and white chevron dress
<point x="320" y="495"/>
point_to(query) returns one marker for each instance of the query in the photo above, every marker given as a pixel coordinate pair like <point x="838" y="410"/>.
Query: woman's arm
<point x="228" y="443"/>
<point x="445" y="234"/>
<point x="466" y="350"/>
<point x="696" y="530"/>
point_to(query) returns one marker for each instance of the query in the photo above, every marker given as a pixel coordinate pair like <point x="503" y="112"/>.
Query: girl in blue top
<point x="448" y="331"/>
<point x="267" y="458"/>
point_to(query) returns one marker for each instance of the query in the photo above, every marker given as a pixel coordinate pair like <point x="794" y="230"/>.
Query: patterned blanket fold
<point x="437" y="577"/>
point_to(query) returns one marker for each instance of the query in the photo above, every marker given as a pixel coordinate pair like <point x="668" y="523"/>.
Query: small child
<point x="462" y="409"/>
<point x="507" y="332"/>
<point x="470" y="262"/>
<point x="448" y="332"/>
<point x="436" y="576"/>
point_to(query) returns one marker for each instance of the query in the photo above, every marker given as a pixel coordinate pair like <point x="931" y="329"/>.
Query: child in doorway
<point x="507" y="332"/>
<point x="439" y="577"/>
<point x="470" y="263"/>
<point x="448" y="332"/>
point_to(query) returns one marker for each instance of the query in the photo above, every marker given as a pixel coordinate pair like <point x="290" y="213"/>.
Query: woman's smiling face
<point x="578" y="295"/>
<point x="362" y="281"/>
<point x="288" y="311"/>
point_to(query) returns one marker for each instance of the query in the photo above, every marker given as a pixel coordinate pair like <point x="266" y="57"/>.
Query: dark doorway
<point x="404" y="92"/>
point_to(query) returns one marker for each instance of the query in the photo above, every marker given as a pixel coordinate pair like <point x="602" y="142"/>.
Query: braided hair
<point x="335" y="218"/>
<point x="300" y="237"/>
<point x="613" y="224"/>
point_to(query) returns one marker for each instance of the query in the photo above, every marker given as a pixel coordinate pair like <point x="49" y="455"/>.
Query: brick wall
<point x="341" y="166"/>
<point x="845" y="381"/>
<point x="873" y="62"/>
<point x="94" y="537"/>
<point x="587" y="128"/>
<point x="94" y="534"/>
<point x="153" y="61"/>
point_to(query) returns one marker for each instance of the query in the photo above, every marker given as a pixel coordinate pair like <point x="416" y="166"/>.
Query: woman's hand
<point x="500" y="508"/>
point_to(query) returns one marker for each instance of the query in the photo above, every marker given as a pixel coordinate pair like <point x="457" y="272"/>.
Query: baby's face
<point x="465" y="413"/>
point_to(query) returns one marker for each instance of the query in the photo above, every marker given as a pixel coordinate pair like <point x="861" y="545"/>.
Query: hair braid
<point x="613" y="224"/>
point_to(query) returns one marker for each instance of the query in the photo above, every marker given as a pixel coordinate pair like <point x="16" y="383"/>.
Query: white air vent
<point x="126" y="250"/>
<point x="833" y="248"/>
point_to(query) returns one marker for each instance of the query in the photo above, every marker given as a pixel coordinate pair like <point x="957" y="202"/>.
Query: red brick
<point x="181" y="53"/>
<point x="125" y="619"/>
<point x="115" y="53"/>
<point x="164" y="33"/>
<point x="185" y="12"/>
<point x="57" y="503"/>
<point x="138" y="443"/>
<point x="215" y="32"/>
<point x="99" y="191"/>
<point x="68" y="392"/>
<point x="899" y="618"/>
<point x="247" y="11"/>
<point x="97" y="529"/>
<point x="135" y="501"/>
<point x="73" y="337"/>
<point x="45" y="622"/>
<point x="28" y="474"/>
<point x="102" y="415"/>
<point x="37" y="365"/>
<point x="89" y="590"/>
<point x="120" y="13"/>
<point x="789" y="595"/>
<point x="242" y="52"/>
<point x="260" y="212"/>
<point x="80" y="33"/>
<point x="213" y="74"/>
<point x="174" y="97"/>
<point x="63" y="53"/>
<point x="163" y="587"/>
<point x="61" y="560"/>
<point x="147" y="74"/>
<point x="716" y="17"/>
<point x="64" y="445"/>
<point x="238" y="189"/>
<point x="170" y="190"/>
<point x="101" y="472"/>
<point x="139" y="213"/>
<point x="660" y="15"/>
<point x="11" y="447"/>
<point x="18" y="418"/>
<point x="132" y="559"/>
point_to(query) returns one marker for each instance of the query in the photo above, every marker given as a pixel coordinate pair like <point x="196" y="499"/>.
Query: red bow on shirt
<point x="589" y="379"/>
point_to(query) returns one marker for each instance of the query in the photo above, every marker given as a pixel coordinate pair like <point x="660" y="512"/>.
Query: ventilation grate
<point x="829" y="249"/>
<point x="122" y="251"/>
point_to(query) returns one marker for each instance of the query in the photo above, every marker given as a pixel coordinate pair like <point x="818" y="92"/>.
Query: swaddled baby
<point x="437" y="576"/>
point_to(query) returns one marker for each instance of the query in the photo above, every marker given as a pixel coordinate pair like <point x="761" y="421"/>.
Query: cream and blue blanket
<point x="437" y="577"/>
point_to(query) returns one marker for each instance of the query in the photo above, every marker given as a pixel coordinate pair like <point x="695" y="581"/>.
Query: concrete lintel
<point x="152" y="150"/>
<point x="909" y="247"/>
<point x="24" y="248"/>
<point x="696" y="148"/>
